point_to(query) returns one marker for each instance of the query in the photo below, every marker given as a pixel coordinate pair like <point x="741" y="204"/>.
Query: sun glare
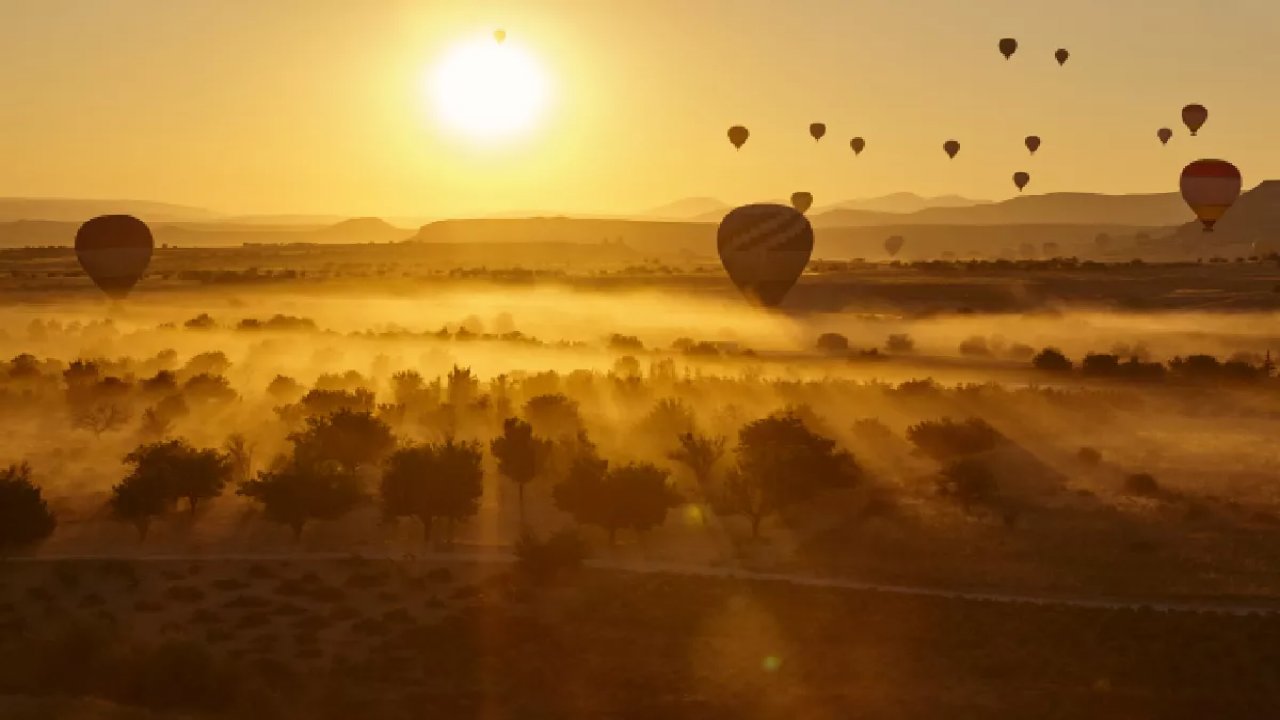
<point x="488" y="91"/>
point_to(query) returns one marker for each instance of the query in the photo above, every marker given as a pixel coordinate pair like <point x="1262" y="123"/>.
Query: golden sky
<point x="321" y="106"/>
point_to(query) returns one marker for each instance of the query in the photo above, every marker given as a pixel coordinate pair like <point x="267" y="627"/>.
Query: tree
<point x="520" y="455"/>
<point x="634" y="496"/>
<point x="140" y="499"/>
<point x="440" y="481"/>
<point x="179" y="471"/>
<point x="1051" y="360"/>
<point x="296" y="493"/>
<point x="946" y="439"/>
<point x="967" y="481"/>
<point x="348" y="437"/>
<point x="781" y="462"/>
<point x="833" y="342"/>
<point x="99" y="418"/>
<point x="239" y="453"/>
<point x="25" y="518"/>
<point x="553" y="415"/>
<point x="699" y="453"/>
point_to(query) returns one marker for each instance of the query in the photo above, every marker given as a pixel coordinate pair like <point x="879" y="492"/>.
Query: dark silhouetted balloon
<point x="1062" y="56"/>
<point x="1008" y="46"/>
<point x="1165" y="134"/>
<point x="1033" y="143"/>
<point x="738" y="136"/>
<point x="858" y="144"/>
<point x="500" y="35"/>
<point x="1021" y="179"/>
<point x="818" y="130"/>
<point x="114" y="251"/>
<point x="951" y="147"/>
<point x="1193" y="116"/>
<point x="801" y="201"/>
<point x="1210" y="187"/>
<point x="764" y="249"/>
<point x="893" y="244"/>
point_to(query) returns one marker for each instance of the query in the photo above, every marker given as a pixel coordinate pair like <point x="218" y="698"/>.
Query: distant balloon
<point x="1008" y="46"/>
<point x="1210" y="187"/>
<point x="1062" y="56"/>
<point x="818" y="130"/>
<point x="858" y="144"/>
<point x="500" y="35"/>
<point x="893" y="244"/>
<point x="114" y="251"/>
<point x="801" y="201"/>
<point x="1193" y="116"/>
<point x="1033" y="143"/>
<point x="1165" y="134"/>
<point x="738" y="136"/>
<point x="951" y="147"/>
<point x="764" y="249"/>
<point x="1021" y="179"/>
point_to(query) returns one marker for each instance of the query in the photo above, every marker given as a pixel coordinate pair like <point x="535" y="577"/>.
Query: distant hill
<point x="1255" y="218"/>
<point x="689" y="209"/>
<point x="213" y="234"/>
<point x="1147" y="210"/>
<point x="904" y="202"/>
<point x="76" y="210"/>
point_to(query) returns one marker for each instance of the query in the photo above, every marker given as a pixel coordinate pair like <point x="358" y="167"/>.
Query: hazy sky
<point x="319" y="105"/>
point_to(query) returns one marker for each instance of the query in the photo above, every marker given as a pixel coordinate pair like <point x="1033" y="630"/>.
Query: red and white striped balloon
<point x="1210" y="187"/>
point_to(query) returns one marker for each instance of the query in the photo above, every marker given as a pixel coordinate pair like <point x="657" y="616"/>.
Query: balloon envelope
<point x="1210" y="187"/>
<point x="1033" y="143"/>
<point x="738" y="136"/>
<point x="1008" y="46"/>
<point x="818" y="130"/>
<point x="499" y="35"/>
<point x="1165" y="134"/>
<point x="114" y="251"/>
<point x="1194" y="116"/>
<point x="801" y="201"/>
<point x="764" y="248"/>
<point x="951" y="147"/>
<point x="857" y="144"/>
<point x="893" y="244"/>
<point x="1062" y="56"/>
<point x="1021" y="179"/>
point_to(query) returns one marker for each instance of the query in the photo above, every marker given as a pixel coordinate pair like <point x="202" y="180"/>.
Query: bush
<point x="968" y="482"/>
<point x="1051" y="360"/>
<point x="1142" y="485"/>
<point x="544" y="561"/>
<point x="833" y="342"/>
<point x="946" y="439"/>
<point x="25" y="518"/>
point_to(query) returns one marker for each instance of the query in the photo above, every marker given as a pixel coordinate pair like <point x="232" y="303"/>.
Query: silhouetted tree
<point x="1142" y="485"/>
<point x="295" y="493"/>
<point x="440" y="481"/>
<point x="1051" y="360"/>
<point x="900" y="343"/>
<point x="1099" y="365"/>
<point x="346" y="437"/>
<point x="553" y="415"/>
<point x="975" y="346"/>
<point x="967" y="481"/>
<point x="25" y="518"/>
<point x="207" y="363"/>
<point x="668" y="417"/>
<point x="284" y="389"/>
<point x="543" y="561"/>
<point x="781" y="462"/>
<point x="946" y="439"/>
<point x="175" y="468"/>
<point x="209" y="388"/>
<point x="1089" y="456"/>
<point x="325" y="402"/>
<point x="699" y="453"/>
<point x="99" y="418"/>
<point x="239" y="451"/>
<point x="140" y="499"/>
<point x="833" y="342"/>
<point x="634" y="496"/>
<point x="520" y="455"/>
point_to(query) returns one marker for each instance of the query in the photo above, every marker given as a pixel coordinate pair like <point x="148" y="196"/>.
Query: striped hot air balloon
<point x="1210" y="187"/>
<point x="764" y="248"/>
<point x="114" y="251"/>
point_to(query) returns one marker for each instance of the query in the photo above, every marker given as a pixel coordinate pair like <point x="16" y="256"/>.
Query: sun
<point x="488" y="91"/>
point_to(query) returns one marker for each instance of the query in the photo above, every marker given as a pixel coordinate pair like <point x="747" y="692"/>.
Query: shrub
<point x="833" y="342"/>
<point x="946" y="439"/>
<point x="968" y="482"/>
<point x="544" y="561"/>
<point x="1051" y="360"/>
<point x="25" y="518"/>
<point x="1142" y="485"/>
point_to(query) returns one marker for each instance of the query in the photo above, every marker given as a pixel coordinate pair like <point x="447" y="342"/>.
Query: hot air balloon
<point x="1021" y="179"/>
<point x="801" y="201"/>
<point x="1062" y="56"/>
<point x="818" y="130"/>
<point x="857" y="144"/>
<point x="114" y="251"/>
<point x="1033" y="143"/>
<point x="1165" y="134"/>
<point x="738" y="136"/>
<point x="764" y="249"/>
<point x="1193" y="116"/>
<point x="1008" y="46"/>
<point x="952" y="147"/>
<point x="893" y="244"/>
<point x="1210" y="187"/>
<point x="500" y="35"/>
